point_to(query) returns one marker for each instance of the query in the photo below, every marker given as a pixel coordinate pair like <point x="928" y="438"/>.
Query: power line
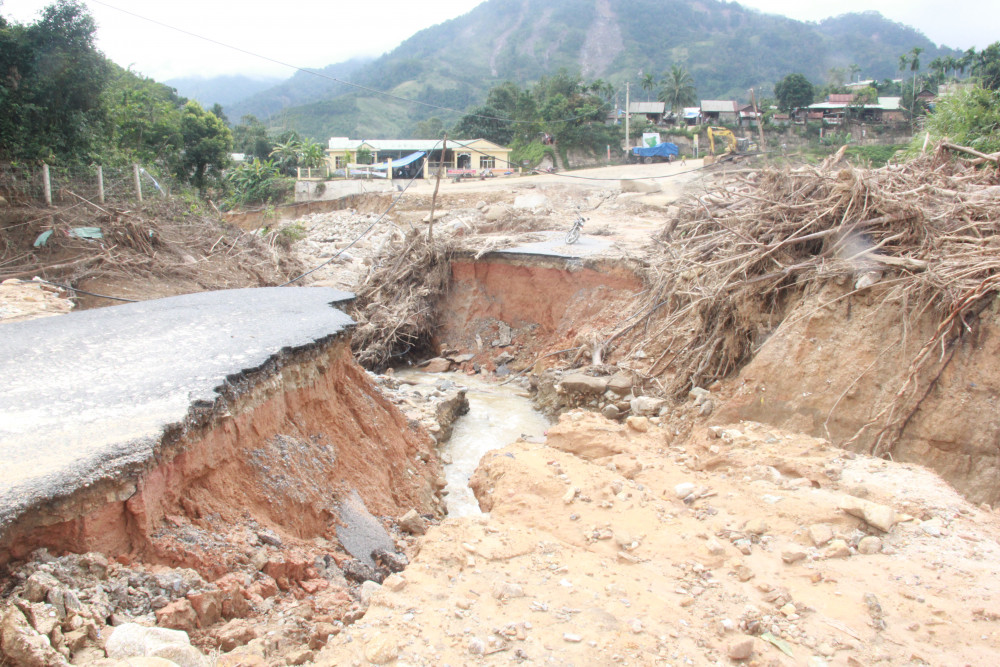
<point x="332" y="78"/>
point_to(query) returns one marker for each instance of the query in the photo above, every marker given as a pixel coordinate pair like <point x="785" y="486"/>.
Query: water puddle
<point x="498" y="415"/>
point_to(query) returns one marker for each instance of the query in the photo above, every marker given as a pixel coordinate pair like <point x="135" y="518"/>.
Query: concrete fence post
<point x="46" y="185"/>
<point x="100" y="184"/>
<point x="138" y="181"/>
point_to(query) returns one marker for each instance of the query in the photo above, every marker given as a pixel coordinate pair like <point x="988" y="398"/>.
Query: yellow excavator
<point x="723" y="133"/>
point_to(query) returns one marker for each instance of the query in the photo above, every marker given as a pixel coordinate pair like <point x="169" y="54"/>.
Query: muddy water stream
<point x="498" y="415"/>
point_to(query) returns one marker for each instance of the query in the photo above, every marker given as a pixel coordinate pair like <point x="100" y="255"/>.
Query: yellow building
<point x="461" y="156"/>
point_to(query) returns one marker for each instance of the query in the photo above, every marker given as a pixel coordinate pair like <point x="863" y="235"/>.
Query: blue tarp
<point x="401" y="162"/>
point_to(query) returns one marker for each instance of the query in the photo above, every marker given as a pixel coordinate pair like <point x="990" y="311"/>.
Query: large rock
<point x="438" y="365"/>
<point x="413" y="523"/>
<point x="179" y="615"/>
<point x="534" y="202"/>
<point x="646" y="406"/>
<point x="578" y="383"/>
<point x="621" y="383"/>
<point x="131" y="640"/>
<point x="874" y="514"/>
<point x="21" y="645"/>
<point x="589" y="437"/>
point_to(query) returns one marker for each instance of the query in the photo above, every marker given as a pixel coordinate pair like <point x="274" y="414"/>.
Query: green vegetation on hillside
<point x="725" y="48"/>
<point x="560" y="112"/>
<point x="63" y="103"/>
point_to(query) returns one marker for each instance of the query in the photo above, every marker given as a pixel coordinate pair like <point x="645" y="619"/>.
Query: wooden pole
<point x="628" y="145"/>
<point x="46" y="185"/>
<point x="760" y="125"/>
<point x="138" y="181"/>
<point x="100" y="184"/>
<point x="437" y="184"/>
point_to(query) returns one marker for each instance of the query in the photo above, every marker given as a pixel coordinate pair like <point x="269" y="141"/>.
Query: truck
<point x="661" y="152"/>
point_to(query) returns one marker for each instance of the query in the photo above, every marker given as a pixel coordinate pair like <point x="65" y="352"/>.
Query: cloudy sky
<point x="312" y="33"/>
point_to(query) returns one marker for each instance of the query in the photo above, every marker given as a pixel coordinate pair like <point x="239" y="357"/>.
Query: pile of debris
<point x="161" y="241"/>
<point x="733" y="259"/>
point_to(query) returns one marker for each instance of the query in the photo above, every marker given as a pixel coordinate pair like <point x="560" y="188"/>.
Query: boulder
<point x="22" y="645"/>
<point x="646" y="406"/>
<point x="879" y="516"/>
<point x="438" y="365"/>
<point x="578" y="383"/>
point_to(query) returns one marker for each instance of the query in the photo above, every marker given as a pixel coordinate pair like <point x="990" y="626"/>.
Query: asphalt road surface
<point x="87" y="395"/>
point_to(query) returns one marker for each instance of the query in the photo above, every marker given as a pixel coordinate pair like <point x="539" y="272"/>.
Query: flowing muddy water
<point x="498" y="415"/>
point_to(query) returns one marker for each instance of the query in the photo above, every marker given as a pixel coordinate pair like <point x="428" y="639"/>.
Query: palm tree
<point x="677" y="89"/>
<point x="286" y="154"/>
<point x="967" y="60"/>
<point x="310" y="153"/>
<point x="904" y="60"/>
<point x="915" y="65"/>
<point x="648" y="83"/>
<point x="855" y="68"/>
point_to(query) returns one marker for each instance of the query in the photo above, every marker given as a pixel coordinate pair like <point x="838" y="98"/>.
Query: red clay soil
<point x="550" y="306"/>
<point x="298" y="439"/>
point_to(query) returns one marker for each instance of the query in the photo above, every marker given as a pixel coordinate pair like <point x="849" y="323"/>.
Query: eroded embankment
<point x="293" y="438"/>
<point x="531" y="307"/>
<point x="840" y="358"/>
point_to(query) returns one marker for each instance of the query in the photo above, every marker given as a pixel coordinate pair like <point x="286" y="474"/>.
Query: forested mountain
<point x="727" y="48"/>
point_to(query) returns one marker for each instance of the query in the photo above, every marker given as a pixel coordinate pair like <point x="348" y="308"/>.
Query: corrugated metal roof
<point x="646" y="107"/>
<point x="840" y="98"/>
<point x="718" y="106"/>
<point x="343" y="143"/>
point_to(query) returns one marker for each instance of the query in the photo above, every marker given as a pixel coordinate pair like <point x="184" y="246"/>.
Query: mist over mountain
<point x="224" y="90"/>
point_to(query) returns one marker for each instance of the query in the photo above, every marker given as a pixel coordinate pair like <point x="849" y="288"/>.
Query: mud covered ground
<point x="673" y="533"/>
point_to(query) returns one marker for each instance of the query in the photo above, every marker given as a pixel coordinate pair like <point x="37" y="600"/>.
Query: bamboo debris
<point x="396" y="302"/>
<point x="727" y="264"/>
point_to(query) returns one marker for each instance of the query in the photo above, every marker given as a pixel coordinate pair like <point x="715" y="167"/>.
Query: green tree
<point x="286" y="155"/>
<point x="311" y="154"/>
<point x="250" y="138"/>
<point x="986" y="67"/>
<point x="969" y="118"/>
<point x="432" y="128"/>
<point x="793" y="92"/>
<point x="254" y="182"/>
<point x="51" y="81"/>
<point x="677" y="89"/>
<point x="205" y="149"/>
<point x="648" y="84"/>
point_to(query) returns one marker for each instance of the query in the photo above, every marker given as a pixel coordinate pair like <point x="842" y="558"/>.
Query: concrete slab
<point x="555" y="245"/>
<point x="88" y="395"/>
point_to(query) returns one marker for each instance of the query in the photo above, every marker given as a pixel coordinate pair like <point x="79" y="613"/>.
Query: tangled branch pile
<point x="161" y="240"/>
<point x="927" y="231"/>
<point x="396" y="301"/>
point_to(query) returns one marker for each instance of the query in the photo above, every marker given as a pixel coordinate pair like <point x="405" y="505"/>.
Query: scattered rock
<point x="179" y="615"/>
<point x="640" y="424"/>
<point x="838" y="549"/>
<point x="620" y="383"/>
<point x="611" y="411"/>
<point x="394" y="583"/>
<point x="756" y="526"/>
<point x="874" y="514"/>
<point x="477" y="646"/>
<point x="578" y="383"/>
<point x="870" y="545"/>
<point x="646" y="406"/>
<point x="820" y="534"/>
<point x="381" y="649"/>
<point x="793" y="556"/>
<point x="437" y="365"/>
<point x="503" y="590"/>
<point x="741" y="649"/>
<point x="22" y="645"/>
<point x="684" y="490"/>
<point x="368" y="589"/>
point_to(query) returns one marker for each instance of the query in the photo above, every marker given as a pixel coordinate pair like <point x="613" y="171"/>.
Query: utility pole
<point x="627" y="143"/>
<point x="760" y="125"/>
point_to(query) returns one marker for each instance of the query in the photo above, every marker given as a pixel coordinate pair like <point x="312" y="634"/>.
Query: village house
<point x="653" y="111"/>
<point x="716" y="112"/>
<point x="840" y="107"/>
<point x="421" y="157"/>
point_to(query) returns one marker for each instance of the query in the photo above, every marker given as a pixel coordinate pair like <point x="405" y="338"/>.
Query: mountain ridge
<point x="727" y="48"/>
